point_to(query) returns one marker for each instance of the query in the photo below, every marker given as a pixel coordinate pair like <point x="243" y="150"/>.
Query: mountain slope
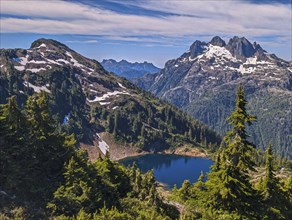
<point x="87" y="100"/>
<point x="204" y="79"/>
<point x="127" y="69"/>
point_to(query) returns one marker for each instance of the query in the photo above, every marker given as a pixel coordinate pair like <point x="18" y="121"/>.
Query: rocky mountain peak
<point x="47" y="54"/>
<point x="49" y="44"/>
<point x="197" y="48"/>
<point x="217" y="41"/>
<point x="202" y="79"/>
<point x="240" y="48"/>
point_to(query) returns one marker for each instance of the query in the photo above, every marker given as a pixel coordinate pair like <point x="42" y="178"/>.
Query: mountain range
<point x="203" y="80"/>
<point x="127" y="69"/>
<point x="101" y="109"/>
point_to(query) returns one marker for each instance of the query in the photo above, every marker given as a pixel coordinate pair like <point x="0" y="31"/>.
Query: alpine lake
<point x="171" y="169"/>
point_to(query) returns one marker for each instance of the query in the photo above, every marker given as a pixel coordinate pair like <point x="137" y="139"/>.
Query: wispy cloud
<point x="183" y="19"/>
<point x="82" y="41"/>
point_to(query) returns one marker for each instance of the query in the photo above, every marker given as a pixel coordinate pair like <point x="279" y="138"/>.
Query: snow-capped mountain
<point x="47" y="56"/>
<point x="203" y="81"/>
<point x="127" y="69"/>
<point x="96" y="106"/>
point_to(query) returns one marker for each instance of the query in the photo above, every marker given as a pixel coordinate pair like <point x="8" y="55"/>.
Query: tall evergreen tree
<point x="272" y="191"/>
<point x="228" y="186"/>
<point x="238" y="147"/>
<point x="14" y="154"/>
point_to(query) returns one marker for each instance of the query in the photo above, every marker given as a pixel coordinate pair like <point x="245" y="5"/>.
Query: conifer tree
<point x="14" y="154"/>
<point x="272" y="191"/>
<point x="228" y="186"/>
<point x="200" y="185"/>
<point x="238" y="147"/>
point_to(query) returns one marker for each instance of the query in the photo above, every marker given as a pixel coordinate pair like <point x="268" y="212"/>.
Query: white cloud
<point x="189" y="18"/>
<point x="82" y="41"/>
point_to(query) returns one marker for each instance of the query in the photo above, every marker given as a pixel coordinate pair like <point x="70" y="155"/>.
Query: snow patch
<point x="103" y="146"/>
<point x="107" y="95"/>
<point x="193" y="59"/>
<point x="37" y="89"/>
<point x="42" y="45"/>
<point x="115" y="107"/>
<point x="19" y="68"/>
<point x="219" y="52"/>
<point x="251" y="60"/>
<point x="34" y="70"/>
<point x="122" y="86"/>
<point x="244" y="70"/>
<point x="75" y="62"/>
<point x="54" y="62"/>
<point x="104" y="103"/>
<point x="37" y="61"/>
<point x="62" y="60"/>
<point x="23" y="60"/>
<point x="92" y="90"/>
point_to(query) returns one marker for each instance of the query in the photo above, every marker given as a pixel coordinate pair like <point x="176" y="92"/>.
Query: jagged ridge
<point x="203" y="80"/>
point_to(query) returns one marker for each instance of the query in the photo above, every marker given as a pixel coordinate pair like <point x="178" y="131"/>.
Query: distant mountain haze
<point x="127" y="69"/>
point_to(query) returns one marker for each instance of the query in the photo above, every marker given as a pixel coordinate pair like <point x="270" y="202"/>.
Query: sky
<point x="145" y="30"/>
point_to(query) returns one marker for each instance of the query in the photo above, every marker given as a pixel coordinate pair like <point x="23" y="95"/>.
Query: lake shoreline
<point x="170" y="169"/>
<point x="181" y="151"/>
<point x="119" y="151"/>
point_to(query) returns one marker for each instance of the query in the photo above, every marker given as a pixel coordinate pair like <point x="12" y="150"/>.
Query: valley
<point x="65" y="120"/>
<point x="145" y="110"/>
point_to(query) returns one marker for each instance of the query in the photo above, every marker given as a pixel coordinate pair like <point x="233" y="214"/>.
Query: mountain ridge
<point x="127" y="69"/>
<point x="203" y="81"/>
<point x="87" y="100"/>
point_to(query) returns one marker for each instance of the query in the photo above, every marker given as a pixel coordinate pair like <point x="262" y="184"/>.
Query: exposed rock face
<point x="203" y="81"/>
<point x="217" y="41"/>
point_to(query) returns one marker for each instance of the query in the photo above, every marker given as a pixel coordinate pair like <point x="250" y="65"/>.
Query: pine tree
<point x="228" y="186"/>
<point x="14" y="153"/>
<point x="238" y="148"/>
<point x="272" y="191"/>
<point x="200" y="185"/>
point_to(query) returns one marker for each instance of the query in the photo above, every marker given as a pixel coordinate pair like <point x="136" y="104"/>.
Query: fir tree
<point x="272" y="191"/>
<point x="14" y="153"/>
<point x="238" y="148"/>
<point x="228" y="186"/>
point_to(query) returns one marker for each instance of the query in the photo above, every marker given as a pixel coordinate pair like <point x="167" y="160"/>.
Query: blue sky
<point x="145" y="30"/>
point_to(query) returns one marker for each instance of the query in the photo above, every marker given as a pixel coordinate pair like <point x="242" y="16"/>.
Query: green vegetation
<point x="44" y="176"/>
<point x="270" y="107"/>
<point x="139" y="119"/>
<point x="229" y="192"/>
<point x="149" y="124"/>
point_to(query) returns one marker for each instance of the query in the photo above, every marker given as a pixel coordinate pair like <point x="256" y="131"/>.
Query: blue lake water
<point x="171" y="169"/>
